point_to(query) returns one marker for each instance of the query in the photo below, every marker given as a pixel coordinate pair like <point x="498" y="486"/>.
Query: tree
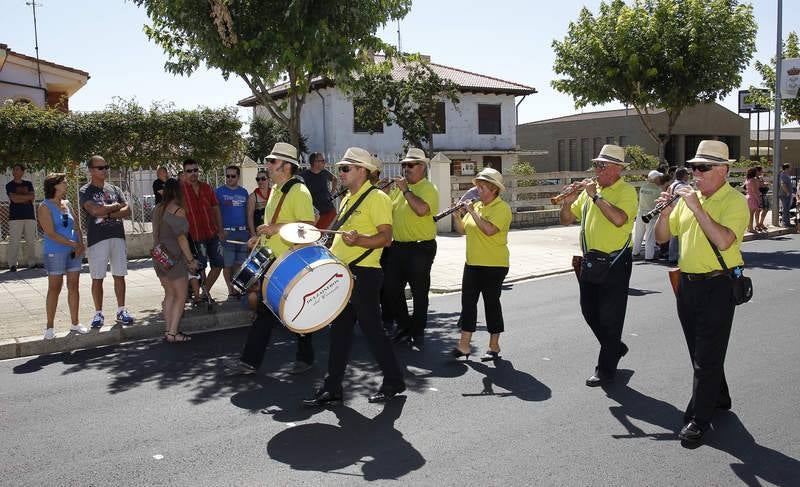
<point x="264" y="133"/>
<point x="656" y="54"/>
<point x="411" y="102"/>
<point x="267" y="42"/>
<point x="790" y="107"/>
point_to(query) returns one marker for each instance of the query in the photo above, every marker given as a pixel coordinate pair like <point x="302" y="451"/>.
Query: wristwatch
<point x="406" y="191"/>
<point x="596" y="196"/>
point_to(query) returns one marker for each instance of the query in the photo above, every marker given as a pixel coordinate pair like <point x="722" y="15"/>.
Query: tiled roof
<point x="593" y="116"/>
<point x="43" y="62"/>
<point x="466" y="81"/>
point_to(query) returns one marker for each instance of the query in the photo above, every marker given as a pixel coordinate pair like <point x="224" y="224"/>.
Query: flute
<point x="570" y="190"/>
<point x="453" y="208"/>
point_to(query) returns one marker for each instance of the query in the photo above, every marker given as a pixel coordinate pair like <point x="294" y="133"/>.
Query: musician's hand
<point x="470" y="207"/>
<point x="350" y="238"/>
<point x="590" y="186"/>
<point x="266" y="229"/>
<point x="662" y="200"/>
<point x="382" y="183"/>
<point x="252" y="242"/>
<point x="571" y="197"/>
<point x="689" y="197"/>
<point x="402" y="184"/>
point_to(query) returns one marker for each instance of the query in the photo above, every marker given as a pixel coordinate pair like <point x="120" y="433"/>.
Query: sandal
<point x="490" y="356"/>
<point x="176" y="337"/>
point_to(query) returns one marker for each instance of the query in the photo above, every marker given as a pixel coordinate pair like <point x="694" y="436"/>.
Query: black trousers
<point x="259" y="335"/>
<point x="705" y="309"/>
<point x="486" y="281"/>
<point x="603" y="307"/>
<point x="364" y="308"/>
<point x="409" y="263"/>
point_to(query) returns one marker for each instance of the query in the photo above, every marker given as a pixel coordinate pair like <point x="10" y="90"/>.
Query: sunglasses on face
<point x="409" y="165"/>
<point x="231" y="176"/>
<point x="189" y="171"/>
<point x="344" y="168"/>
<point x="701" y="167"/>
<point x="263" y="178"/>
<point x="100" y="168"/>
<point x="600" y="164"/>
<point x="65" y="220"/>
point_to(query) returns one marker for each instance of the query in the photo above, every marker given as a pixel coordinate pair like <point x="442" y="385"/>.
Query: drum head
<point x="300" y="233"/>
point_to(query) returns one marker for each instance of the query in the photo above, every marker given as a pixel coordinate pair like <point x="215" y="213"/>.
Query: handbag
<point x="162" y="259"/>
<point x="595" y="264"/>
<point x="742" y="285"/>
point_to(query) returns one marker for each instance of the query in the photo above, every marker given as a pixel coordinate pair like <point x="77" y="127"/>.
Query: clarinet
<point x="452" y="209"/>
<point x="343" y="191"/>
<point x="659" y="208"/>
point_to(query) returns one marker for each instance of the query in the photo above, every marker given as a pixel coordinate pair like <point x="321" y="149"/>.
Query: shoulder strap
<point x="343" y="218"/>
<point x="719" y="256"/>
<point x="584" y="210"/>
<point x="284" y="191"/>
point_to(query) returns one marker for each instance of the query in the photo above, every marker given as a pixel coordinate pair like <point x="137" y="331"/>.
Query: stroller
<point x="200" y="276"/>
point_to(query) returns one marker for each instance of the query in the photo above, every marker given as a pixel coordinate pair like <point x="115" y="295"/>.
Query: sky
<point x="507" y="39"/>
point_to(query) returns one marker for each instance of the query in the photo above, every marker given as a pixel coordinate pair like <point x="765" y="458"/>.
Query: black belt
<point x="414" y="242"/>
<point x="705" y="275"/>
<point x="235" y="229"/>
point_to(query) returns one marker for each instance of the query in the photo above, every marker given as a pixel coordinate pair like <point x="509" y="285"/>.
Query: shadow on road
<point x="635" y="405"/>
<point x="519" y="384"/>
<point x="374" y="443"/>
<point x="774" y="260"/>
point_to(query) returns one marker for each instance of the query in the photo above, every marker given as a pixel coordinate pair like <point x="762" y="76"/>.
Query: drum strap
<point x="284" y="191"/>
<point x="340" y="221"/>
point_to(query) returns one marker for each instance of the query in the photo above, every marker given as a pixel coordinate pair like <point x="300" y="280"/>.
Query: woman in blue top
<point x="63" y="250"/>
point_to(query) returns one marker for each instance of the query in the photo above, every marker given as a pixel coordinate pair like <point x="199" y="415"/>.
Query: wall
<point x="18" y="74"/>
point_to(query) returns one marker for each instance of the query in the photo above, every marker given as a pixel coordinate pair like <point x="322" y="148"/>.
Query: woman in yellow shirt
<point x="486" y="225"/>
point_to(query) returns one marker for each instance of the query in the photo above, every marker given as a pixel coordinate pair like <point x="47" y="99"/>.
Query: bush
<point x="523" y="169"/>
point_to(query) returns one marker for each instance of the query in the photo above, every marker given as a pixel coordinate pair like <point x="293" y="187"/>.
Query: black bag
<point x="595" y="266"/>
<point x="742" y="286"/>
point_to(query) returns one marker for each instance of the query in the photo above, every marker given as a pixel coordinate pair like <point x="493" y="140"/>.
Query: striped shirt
<point x="202" y="224"/>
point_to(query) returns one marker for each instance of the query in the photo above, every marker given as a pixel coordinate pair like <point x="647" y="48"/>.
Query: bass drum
<point x="307" y="288"/>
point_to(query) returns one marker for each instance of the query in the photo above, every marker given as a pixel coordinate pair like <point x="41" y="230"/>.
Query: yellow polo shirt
<point x="482" y="249"/>
<point x="376" y="209"/>
<point x="297" y="207"/>
<point x="727" y="207"/>
<point x="601" y="234"/>
<point x="407" y="226"/>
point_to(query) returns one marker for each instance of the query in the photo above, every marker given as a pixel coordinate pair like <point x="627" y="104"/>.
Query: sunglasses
<point x="101" y="168"/>
<point x="191" y="170"/>
<point x="65" y="220"/>
<point x="344" y="168"/>
<point x="231" y="176"/>
<point x="600" y="164"/>
<point x="701" y="167"/>
<point x="409" y="165"/>
<point x="261" y="179"/>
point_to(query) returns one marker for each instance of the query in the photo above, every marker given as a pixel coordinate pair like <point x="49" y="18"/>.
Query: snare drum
<point x="252" y="269"/>
<point x="307" y="288"/>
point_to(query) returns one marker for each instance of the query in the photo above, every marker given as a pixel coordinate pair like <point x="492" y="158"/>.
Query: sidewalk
<point x="535" y="252"/>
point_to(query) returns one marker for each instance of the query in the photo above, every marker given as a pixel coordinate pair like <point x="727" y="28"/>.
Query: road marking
<point x="158" y="457"/>
<point x="634" y="334"/>
<point x="433" y="389"/>
<point x="546" y="358"/>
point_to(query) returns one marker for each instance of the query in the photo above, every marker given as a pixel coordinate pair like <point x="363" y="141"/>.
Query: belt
<point x="705" y="275"/>
<point x="412" y="242"/>
<point x="235" y="229"/>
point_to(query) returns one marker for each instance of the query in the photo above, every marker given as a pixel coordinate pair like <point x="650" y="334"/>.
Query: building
<point x="479" y="131"/>
<point x="569" y="143"/>
<point x="790" y="145"/>
<point x="24" y="79"/>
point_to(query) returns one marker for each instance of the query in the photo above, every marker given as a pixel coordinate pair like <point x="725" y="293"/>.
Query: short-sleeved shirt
<point x="601" y="234"/>
<point x="199" y="212"/>
<point x="103" y="227"/>
<point x="297" y="207"/>
<point x="486" y="250"/>
<point x="233" y="205"/>
<point x="648" y="194"/>
<point x="19" y="211"/>
<point x="727" y="207"/>
<point x="787" y="180"/>
<point x="318" y="186"/>
<point x="374" y="210"/>
<point x="158" y="185"/>
<point x="407" y="226"/>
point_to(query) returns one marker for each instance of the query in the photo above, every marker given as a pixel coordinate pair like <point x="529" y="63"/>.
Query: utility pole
<point x="33" y="5"/>
<point x="399" y="41"/>
<point x="776" y="156"/>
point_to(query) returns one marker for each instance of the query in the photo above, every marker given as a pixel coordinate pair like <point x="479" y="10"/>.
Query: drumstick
<point x="236" y="242"/>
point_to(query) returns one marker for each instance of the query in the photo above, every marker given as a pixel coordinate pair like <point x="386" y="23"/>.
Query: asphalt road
<point x="149" y="413"/>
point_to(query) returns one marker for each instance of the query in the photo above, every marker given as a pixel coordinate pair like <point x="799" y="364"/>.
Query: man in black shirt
<point x="321" y="183"/>
<point x="158" y="184"/>
<point x="21" y="219"/>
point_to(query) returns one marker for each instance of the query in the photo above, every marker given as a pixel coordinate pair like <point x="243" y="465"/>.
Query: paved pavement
<point x="535" y="252"/>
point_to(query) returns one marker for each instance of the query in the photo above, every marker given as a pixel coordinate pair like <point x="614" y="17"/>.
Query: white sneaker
<point x="79" y="328"/>
<point x="49" y="333"/>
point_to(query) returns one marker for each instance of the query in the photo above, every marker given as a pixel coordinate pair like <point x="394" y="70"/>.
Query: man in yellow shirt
<point x="606" y="208"/>
<point x="715" y="214"/>
<point x="365" y="214"/>
<point x="414" y="202"/>
<point x="289" y="202"/>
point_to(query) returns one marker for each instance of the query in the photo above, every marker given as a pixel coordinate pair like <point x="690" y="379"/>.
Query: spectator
<point x="763" y="206"/>
<point x="63" y="251"/>
<point x="21" y="220"/>
<point x="205" y="226"/>
<point x="105" y="207"/>
<point x="322" y="184"/>
<point x="787" y="190"/>
<point x="170" y="227"/>
<point x="257" y="201"/>
<point x="158" y="184"/>
<point x="648" y="193"/>
<point x="232" y="200"/>
<point x="681" y="180"/>
<point x="751" y="185"/>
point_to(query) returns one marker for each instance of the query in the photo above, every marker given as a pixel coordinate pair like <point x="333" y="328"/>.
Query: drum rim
<point x="242" y="266"/>
<point x="306" y="270"/>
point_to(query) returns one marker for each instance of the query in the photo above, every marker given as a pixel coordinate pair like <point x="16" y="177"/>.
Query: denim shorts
<point x="235" y="254"/>
<point x="209" y="252"/>
<point x="59" y="263"/>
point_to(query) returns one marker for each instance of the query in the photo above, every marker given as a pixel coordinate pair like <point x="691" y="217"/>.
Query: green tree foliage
<point x="410" y="102"/>
<point x="126" y="134"/>
<point x="790" y="108"/>
<point x="267" y="42"/>
<point x="656" y="54"/>
<point x="523" y="169"/>
<point x="263" y="134"/>
<point x="639" y="159"/>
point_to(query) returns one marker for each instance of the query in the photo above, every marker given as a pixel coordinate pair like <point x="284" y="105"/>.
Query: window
<point x="573" y="156"/>
<point x="439" y="119"/>
<point x="598" y="145"/>
<point x="360" y="128"/>
<point x="495" y="162"/>
<point x="623" y="140"/>
<point x="586" y="152"/>
<point x="562" y="155"/>
<point x="488" y="119"/>
<point x="610" y="140"/>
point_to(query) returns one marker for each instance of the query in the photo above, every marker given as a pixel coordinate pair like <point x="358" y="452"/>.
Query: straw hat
<point x="712" y="152"/>
<point x="613" y="154"/>
<point x="284" y="152"/>
<point x="415" y="155"/>
<point x="356" y="156"/>
<point x="490" y="176"/>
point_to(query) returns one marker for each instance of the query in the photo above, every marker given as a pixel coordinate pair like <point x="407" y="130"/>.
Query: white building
<point x="479" y="131"/>
<point x="24" y="79"/>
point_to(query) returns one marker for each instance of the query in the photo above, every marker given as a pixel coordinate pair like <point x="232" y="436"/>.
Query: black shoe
<point x="383" y="396"/>
<point x="322" y="399"/>
<point x="724" y="404"/>
<point x="13" y="268"/>
<point x="623" y="349"/>
<point x="692" y="432"/>
<point x="403" y="335"/>
<point x="416" y="344"/>
<point x="596" y="381"/>
<point x="456" y="353"/>
<point x="490" y="356"/>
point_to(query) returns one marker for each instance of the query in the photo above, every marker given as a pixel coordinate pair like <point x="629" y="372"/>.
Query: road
<point x="148" y="413"/>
